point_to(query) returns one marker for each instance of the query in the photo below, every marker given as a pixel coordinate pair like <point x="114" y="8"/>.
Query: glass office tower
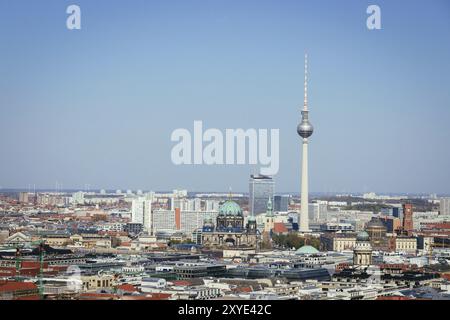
<point x="261" y="189"/>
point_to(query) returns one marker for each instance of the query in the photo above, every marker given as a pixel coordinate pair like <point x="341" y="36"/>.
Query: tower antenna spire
<point x="305" y="101"/>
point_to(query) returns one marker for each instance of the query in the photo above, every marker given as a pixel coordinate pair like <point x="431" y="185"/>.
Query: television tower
<point x="305" y="130"/>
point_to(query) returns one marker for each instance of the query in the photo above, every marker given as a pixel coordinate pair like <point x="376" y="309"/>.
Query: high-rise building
<point x="23" y="197"/>
<point x="281" y="203"/>
<point x="305" y="130"/>
<point x="212" y="205"/>
<point x="261" y="190"/>
<point x="408" y="225"/>
<point x="141" y="212"/>
<point x="397" y="212"/>
<point x="318" y="211"/>
<point x="444" y="206"/>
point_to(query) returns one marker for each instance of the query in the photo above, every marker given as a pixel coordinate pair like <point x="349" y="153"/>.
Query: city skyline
<point x="96" y="106"/>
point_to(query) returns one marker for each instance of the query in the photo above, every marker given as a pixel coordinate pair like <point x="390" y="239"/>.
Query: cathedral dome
<point x="230" y="208"/>
<point x="375" y="224"/>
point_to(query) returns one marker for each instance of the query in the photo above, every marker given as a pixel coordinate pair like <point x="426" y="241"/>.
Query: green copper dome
<point x="307" y="250"/>
<point x="208" y="220"/>
<point x="362" y="236"/>
<point x="230" y="208"/>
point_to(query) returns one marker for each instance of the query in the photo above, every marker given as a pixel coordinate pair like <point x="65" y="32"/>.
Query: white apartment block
<point x="444" y="206"/>
<point x="141" y="212"/>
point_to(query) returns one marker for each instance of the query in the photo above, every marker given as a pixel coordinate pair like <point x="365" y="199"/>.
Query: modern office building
<point x="318" y="211"/>
<point x="281" y="203"/>
<point x="261" y="189"/>
<point x="397" y="212"/>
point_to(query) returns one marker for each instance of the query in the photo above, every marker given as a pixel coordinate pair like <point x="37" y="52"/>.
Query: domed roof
<point x="307" y="250"/>
<point x="230" y="208"/>
<point x="362" y="236"/>
<point x="375" y="223"/>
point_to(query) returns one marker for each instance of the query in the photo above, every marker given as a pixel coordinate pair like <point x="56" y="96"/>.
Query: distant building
<point x="335" y="226"/>
<point x="318" y="211"/>
<point x="261" y="189"/>
<point x="212" y="205"/>
<point x="397" y="212"/>
<point x="281" y="203"/>
<point x="444" y="206"/>
<point x="392" y="224"/>
<point x="13" y="290"/>
<point x="23" y="197"/>
<point x="408" y="225"/>
<point x="406" y="244"/>
<point x="133" y="228"/>
<point x="362" y="253"/>
<point x="180" y="220"/>
<point x="377" y="234"/>
<point x="141" y="212"/>
<point x="338" y="242"/>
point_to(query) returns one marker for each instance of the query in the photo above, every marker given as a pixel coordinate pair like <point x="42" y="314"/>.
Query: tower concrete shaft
<point x="304" y="213"/>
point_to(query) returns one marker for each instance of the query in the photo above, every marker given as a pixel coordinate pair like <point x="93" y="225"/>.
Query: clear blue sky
<point x="97" y="106"/>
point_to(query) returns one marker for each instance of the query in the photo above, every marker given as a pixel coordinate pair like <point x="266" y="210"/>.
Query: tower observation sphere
<point x="305" y="128"/>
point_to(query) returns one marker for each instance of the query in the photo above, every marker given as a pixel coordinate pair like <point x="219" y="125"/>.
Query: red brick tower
<point x="408" y="226"/>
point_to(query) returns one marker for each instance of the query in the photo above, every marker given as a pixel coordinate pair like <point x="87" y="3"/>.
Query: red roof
<point x="181" y="283"/>
<point x="13" y="286"/>
<point x="441" y="226"/>
<point x="33" y="264"/>
<point x="445" y="276"/>
<point x="127" y="287"/>
<point x="394" y="298"/>
<point x="159" y="296"/>
<point x="33" y="297"/>
<point x="279" y="227"/>
<point x="244" y="289"/>
<point x="98" y="296"/>
<point x="154" y="296"/>
<point x="125" y="244"/>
